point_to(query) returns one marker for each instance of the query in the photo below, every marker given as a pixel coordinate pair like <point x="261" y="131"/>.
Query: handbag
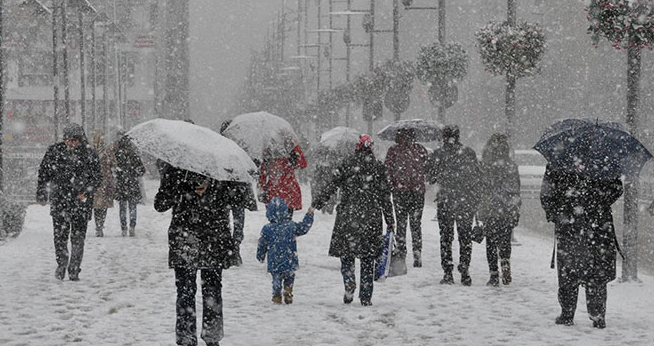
<point x="478" y="232"/>
<point x="383" y="262"/>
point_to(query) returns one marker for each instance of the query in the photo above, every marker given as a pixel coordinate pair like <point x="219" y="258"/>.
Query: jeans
<point x="367" y="276"/>
<point x="122" y="206"/>
<point x="212" y="306"/>
<point x="287" y="279"/>
<point x="76" y="229"/>
<point x="100" y="215"/>
<point x="409" y="205"/>
<point x="498" y="240"/>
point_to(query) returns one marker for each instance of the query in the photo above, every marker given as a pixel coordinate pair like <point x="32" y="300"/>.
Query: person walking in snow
<point x="129" y="169"/>
<point x="499" y="209"/>
<point x="277" y="177"/>
<point x="456" y="170"/>
<point x="406" y="163"/>
<point x="69" y="175"/>
<point x="358" y="229"/>
<point x="586" y="245"/>
<point x="199" y="239"/>
<point x="278" y="242"/>
<point x="104" y="195"/>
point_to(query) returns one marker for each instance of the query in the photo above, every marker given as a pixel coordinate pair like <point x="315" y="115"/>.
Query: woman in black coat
<point x="585" y="237"/>
<point x="358" y="230"/>
<point x="129" y="169"/>
<point x="199" y="238"/>
<point x="499" y="208"/>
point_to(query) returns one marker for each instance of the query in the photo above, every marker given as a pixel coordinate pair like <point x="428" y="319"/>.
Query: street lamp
<point x="83" y="7"/>
<point x="99" y="18"/>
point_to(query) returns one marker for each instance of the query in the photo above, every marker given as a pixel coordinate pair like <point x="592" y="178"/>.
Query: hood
<point x="277" y="210"/>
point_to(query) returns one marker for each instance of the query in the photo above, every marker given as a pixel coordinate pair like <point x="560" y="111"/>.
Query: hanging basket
<point x="445" y="95"/>
<point x="620" y="20"/>
<point x="515" y="51"/>
<point x="438" y="61"/>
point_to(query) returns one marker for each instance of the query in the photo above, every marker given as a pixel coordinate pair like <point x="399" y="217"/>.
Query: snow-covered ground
<point x="126" y="295"/>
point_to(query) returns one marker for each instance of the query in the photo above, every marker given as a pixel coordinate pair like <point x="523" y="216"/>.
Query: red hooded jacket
<point x="406" y="163"/>
<point x="277" y="178"/>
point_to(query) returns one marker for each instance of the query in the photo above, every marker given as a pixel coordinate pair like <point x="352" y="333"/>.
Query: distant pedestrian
<point x="406" y="163"/>
<point x="358" y="230"/>
<point x="278" y="243"/>
<point x="199" y="238"/>
<point x="69" y="175"/>
<point x="586" y="244"/>
<point x="104" y="195"/>
<point x="499" y="210"/>
<point x="456" y="170"/>
<point x="129" y="169"/>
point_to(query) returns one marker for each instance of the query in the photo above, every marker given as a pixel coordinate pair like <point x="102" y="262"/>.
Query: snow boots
<point x="494" y="279"/>
<point x="565" y="320"/>
<point x="60" y="272"/>
<point x="506" y="271"/>
<point x="348" y="297"/>
<point x="598" y="322"/>
<point x="288" y="294"/>
<point x="417" y="259"/>
<point x="98" y="232"/>
<point x="447" y="279"/>
<point x="123" y="232"/>
<point x="277" y="299"/>
<point x="132" y="232"/>
<point x="466" y="280"/>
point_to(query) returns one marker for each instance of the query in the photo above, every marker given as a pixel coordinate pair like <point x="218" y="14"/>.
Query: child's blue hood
<point x="277" y="210"/>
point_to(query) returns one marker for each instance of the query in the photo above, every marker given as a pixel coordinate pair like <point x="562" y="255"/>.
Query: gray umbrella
<point x="425" y="130"/>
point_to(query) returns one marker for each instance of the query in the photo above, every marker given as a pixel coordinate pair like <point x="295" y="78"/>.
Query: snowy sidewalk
<point x="126" y="295"/>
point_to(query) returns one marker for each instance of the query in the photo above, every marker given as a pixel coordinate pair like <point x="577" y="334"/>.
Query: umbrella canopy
<point x="255" y="132"/>
<point x="339" y="142"/>
<point x="596" y="149"/>
<point x="194" y="148"/>
<point x="425" y="130"/>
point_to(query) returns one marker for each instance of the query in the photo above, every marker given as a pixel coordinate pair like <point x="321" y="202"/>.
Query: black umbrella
<point x="425" y="130"/>
<point x="594" y="148"/>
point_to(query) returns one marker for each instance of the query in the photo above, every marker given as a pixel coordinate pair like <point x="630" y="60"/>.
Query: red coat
<point x="406" y="164"/>
<point x="277" y="179"/>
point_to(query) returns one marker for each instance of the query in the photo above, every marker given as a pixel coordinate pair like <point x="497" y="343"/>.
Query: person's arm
<point x="167" y="195"/>
<point x="386" y="204"/>
<point x="546" y="195"/>
<point x="262" y="248"/>
<point x="238" y="213"/>
<point x="45" y="176"/>
<point x="330" y="187"/>
<point x="303" y="227"/>
<point x="95" y="174"/>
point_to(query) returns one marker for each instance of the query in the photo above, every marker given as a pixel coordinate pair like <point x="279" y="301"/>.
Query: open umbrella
<point x="194" y="148"/>
<point x="339" y="142"/>
<point x="255" y="132"/>
<point x="425" y="130"/>
<point x="594" y="148"/>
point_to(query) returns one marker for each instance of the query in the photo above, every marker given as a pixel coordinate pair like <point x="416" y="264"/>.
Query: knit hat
<point x="74" y="131"/>
<point x="365" y="143"/>
<point x="451" y="132"/>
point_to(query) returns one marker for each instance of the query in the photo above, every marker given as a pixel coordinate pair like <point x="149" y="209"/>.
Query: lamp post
<point x="99" y="18"/>
<point x="2" y="101"/>
<point x="83" y="7"/>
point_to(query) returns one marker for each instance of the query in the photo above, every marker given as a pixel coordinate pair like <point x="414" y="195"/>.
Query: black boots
<point x="288" y="294"/>
<point x="565" y="320"/>
<point x="349" y="292"/>
<point x="494" y="280"/>
<point x="506" y="271"/>
<point x="447" y="279"/>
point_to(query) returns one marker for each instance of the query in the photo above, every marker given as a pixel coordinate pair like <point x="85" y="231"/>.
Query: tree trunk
<point x="630" y="236"/>
<point x="441" y="40"/>
<point x="176" y="100"/>
<point x="510" y="105"/>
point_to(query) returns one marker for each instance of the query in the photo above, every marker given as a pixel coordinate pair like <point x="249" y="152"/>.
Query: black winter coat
<point x="581" y="211"/>
<point x="69" y="174"/>
<point x="500" y="192"/>
<point x="129" y="168"/>
<point x="365" y="198"/>
<point x="199" y="236"/>
<point x="456" y="170"/>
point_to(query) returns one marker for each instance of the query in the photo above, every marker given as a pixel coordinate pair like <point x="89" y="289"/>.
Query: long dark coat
<point x="456" y="170"/>
<point x="500" y="192"/>
<point x="129" y="168"/>
<point x="585" y="233"/>
<point x="365" y="198"/>
<point x="199" y="236"/>
<point x="69" y="174"/>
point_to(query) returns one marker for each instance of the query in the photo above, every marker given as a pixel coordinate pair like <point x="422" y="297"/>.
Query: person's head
<point x="364" y="144"/>
<point x="405" y="136"/>
<point x="497" y="148"/>
<point x="224" y="126"/>
<point x="98" y="139"/>
<point x="450" y="134"/>
<point x="277" y="210"/>
<point x="73" y="135"/>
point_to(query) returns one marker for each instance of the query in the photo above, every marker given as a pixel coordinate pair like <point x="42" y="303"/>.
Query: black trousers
<point x="408" y="205"/>
<point x="100" y="215"/>
<point x="498" y="241"/>
<point x="448" y="214"/>
<point x="367" y="276"/>
<point x="212" y="306"/>
<point x="75" y="229"/>
<point x="595" y="298"/>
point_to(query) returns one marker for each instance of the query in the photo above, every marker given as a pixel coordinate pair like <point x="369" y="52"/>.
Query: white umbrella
<point x="255" y="132"/>
<point x="425" y="130"/>
<point x="194" y="148"/>
<point x="340" y="140"/>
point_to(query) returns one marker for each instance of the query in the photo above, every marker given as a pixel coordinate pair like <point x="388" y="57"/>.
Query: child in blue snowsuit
<point x="278" y="241"/>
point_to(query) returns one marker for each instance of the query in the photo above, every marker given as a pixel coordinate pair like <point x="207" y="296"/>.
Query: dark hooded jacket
<point x="277" y="239"/>
<point x="365" y="199"/>
<point x="64" y="174"/>
<point x="406" y="163"/>
<point x="456" y="170"/>
<point x="199" y="236"/>
<point x="129" y="168"/>
<point x="581" y="211"/>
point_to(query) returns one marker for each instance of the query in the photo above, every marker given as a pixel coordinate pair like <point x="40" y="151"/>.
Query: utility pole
<point x="55" y="70"/>
<point x="64" y="42"/>
<point x="82" y="73"/>
<point x="319" y="65"/>
<point x="348" y="60"/>
<point x="2" y="102"/>
<point x="510" y="78"/>
<point x="441" y="40"/>
<point x="396" y="30"/>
